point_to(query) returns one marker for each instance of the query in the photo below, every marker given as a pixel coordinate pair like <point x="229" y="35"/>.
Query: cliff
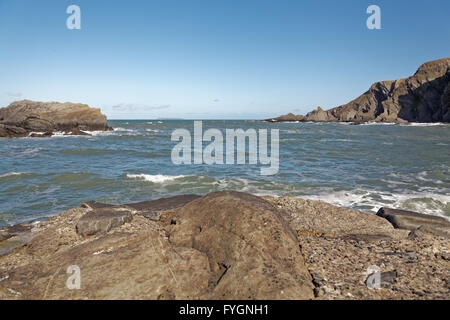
<point x="423" y="97"/>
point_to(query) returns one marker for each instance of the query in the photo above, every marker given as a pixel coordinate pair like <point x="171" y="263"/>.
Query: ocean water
<point x="363" y="167"/>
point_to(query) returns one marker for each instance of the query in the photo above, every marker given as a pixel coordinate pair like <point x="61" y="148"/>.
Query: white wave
<point x="123" y="129"/>
<point x="12" y="174"/>
<point x="425" y="124"/>
<point x="157" y="178"/>
<point x="63" y="134"/>
<point x="370" y="123"/>
<point x="423" y="202"/>
<point x="151" y="130"/>
<point x="98" y="133"/>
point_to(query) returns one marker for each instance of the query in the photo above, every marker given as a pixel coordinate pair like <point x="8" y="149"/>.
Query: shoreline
<point x="354" y="240"/>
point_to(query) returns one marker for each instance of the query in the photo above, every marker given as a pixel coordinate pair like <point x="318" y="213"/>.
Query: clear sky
<point x="212" y="59"/>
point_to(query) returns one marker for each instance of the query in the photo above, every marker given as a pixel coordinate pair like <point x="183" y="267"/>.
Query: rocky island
<point x="41" y="119"/>
<point x="423" y="97"/>
<point x="227" y="245"/>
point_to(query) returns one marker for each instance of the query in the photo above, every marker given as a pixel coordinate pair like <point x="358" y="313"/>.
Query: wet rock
<point x="410" y="220"/>
<point x="102" y="220"/>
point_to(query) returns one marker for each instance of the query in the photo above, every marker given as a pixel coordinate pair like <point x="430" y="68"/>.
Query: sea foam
<point x="157" y="178"/>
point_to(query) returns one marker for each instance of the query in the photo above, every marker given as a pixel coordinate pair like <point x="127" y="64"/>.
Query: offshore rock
<point x="21" y="118"/>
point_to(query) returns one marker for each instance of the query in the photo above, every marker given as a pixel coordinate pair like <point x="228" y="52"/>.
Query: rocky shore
<point x="423" y="97"/>
<point x="227" y="245"/>
<point x="41" y="119"/>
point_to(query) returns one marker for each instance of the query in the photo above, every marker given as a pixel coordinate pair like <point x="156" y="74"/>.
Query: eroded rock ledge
<point x="40" y="119"/>
<point x="225" y="245"/>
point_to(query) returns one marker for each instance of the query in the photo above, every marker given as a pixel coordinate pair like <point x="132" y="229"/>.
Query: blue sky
<point x="212" y="59"/>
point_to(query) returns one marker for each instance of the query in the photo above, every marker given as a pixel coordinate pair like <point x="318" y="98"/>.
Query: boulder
<point x="252" y="251"/>
<point x="32" y="116"/>
<point x="410" y="220"/>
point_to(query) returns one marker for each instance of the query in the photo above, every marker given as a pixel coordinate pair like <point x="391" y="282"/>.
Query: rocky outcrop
<point x="320" y="115"/>
<point x="423" y="97"/>
<point x="225" y="245"/>
<point x="409" y="220"/>
<point x="290" y="117"/>
<point x="21" y="118"/>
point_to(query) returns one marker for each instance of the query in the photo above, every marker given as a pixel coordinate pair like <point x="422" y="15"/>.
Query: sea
<point x="363" y="167"/>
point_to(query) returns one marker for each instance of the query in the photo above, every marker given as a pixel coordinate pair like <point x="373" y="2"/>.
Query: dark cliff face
<point x="423" y="97"/>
